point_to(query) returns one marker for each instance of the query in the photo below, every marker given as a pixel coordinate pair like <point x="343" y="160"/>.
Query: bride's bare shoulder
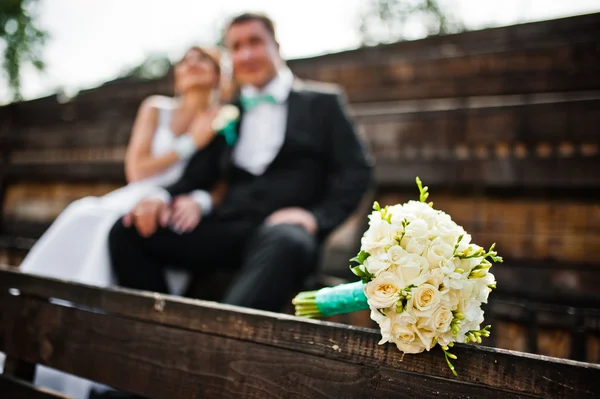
<point x="158" y="102"/>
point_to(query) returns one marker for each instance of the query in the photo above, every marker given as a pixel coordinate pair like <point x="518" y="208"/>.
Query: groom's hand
<point x="297" y="216"/>
<point x="146" y="215"/>
<point x="186" y="214"/>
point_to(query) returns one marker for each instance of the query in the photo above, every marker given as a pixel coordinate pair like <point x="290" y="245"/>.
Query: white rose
<point x="379" y="234"/>
<point x="439" y="251"/>
<point x="410" y="268"/>
<point x="418" y="228"/>
<point x="396" y="253"/>
<point x="383" y="291"/>
<point x="416" y="246"/>
<point x="377" y="264"/>
<point x="447" y="229"/>
<point x="426" y="297"/>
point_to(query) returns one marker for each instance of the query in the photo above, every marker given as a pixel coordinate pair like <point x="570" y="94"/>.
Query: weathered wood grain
<point x="160" y="362"/>
<point x="477" y="365"/>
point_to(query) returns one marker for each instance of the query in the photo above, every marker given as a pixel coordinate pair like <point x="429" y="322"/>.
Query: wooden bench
<point x="166" y="347"/>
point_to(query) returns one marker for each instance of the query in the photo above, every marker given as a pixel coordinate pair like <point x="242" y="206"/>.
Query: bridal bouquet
<point x="421" y="277"/>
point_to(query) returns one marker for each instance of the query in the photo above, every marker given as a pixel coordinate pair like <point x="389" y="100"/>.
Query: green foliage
<point x="387" y="21"/>
<point x="21" y="40"/>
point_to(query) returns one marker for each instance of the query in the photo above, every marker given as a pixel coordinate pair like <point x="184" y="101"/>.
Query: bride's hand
<point x="186" y="214"/>
<point x="201" y="129"/>
<point x="146" y="215"/>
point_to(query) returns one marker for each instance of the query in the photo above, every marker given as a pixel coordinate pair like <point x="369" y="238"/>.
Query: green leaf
<point x="361" y="257"/>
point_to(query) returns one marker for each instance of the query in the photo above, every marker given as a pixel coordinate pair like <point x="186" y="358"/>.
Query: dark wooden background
<point x="502" y="124"/>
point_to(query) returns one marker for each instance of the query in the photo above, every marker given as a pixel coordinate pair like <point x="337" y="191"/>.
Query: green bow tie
<point x="250" y="102"/>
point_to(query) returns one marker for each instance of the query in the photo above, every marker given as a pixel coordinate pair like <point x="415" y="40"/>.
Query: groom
<point x="296" y="171"/>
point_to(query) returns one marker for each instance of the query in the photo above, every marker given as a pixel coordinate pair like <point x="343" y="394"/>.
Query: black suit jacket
<point x="322" y="166"/>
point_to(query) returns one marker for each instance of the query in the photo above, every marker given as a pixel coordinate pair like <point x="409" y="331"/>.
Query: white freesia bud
<point x="383" y="291"/>
<point x="227" y="114"/>
<point x="426" y="297"/>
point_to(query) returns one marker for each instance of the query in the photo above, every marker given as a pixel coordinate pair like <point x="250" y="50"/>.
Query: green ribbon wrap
<point x="344" y="298"/>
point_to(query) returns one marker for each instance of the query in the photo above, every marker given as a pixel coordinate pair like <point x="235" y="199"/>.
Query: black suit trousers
<point x="271" y="261"/>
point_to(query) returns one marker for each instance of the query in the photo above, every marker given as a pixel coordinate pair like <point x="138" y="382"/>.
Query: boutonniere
<point x="225" y="123"/>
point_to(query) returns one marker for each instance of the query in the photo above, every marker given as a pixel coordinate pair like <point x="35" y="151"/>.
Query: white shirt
<point x="261" y="137"/>
<point x="262" y="130"/>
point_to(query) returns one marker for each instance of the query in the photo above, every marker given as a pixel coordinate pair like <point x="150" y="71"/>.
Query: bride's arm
<point x="139" y="161"/>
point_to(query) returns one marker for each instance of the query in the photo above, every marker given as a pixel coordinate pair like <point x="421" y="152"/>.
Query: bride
<point x="75" y="247"/>
<point x="166" y="133"/>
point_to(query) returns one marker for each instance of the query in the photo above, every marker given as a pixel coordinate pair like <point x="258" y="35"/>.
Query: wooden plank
<point x="160" y="361"/>
<point x="477" y="365"/>
<point x="13" y="388"/>
<point x="67" y="172"/>
<point x="530" y="173"/>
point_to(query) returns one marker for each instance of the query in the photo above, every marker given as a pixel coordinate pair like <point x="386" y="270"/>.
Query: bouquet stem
<point x="329" y="301"/>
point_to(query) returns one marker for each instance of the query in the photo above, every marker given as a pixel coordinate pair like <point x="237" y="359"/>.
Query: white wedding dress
<point x="75" y="247"/>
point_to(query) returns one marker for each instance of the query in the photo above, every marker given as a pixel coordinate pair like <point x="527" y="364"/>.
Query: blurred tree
<point x="387" y="21"/>
<point x="21" y="40"/>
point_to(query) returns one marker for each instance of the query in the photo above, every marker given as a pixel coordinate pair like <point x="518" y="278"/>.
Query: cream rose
<point x="383" y="291"/>
<point x="441" y="319"/>
<point x="426" y="297"/>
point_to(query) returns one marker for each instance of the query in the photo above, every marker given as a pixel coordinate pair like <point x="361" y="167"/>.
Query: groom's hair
<point x="251" y="16"/>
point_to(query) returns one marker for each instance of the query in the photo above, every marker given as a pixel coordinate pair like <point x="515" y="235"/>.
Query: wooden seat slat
<point x="492" y="368"/>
